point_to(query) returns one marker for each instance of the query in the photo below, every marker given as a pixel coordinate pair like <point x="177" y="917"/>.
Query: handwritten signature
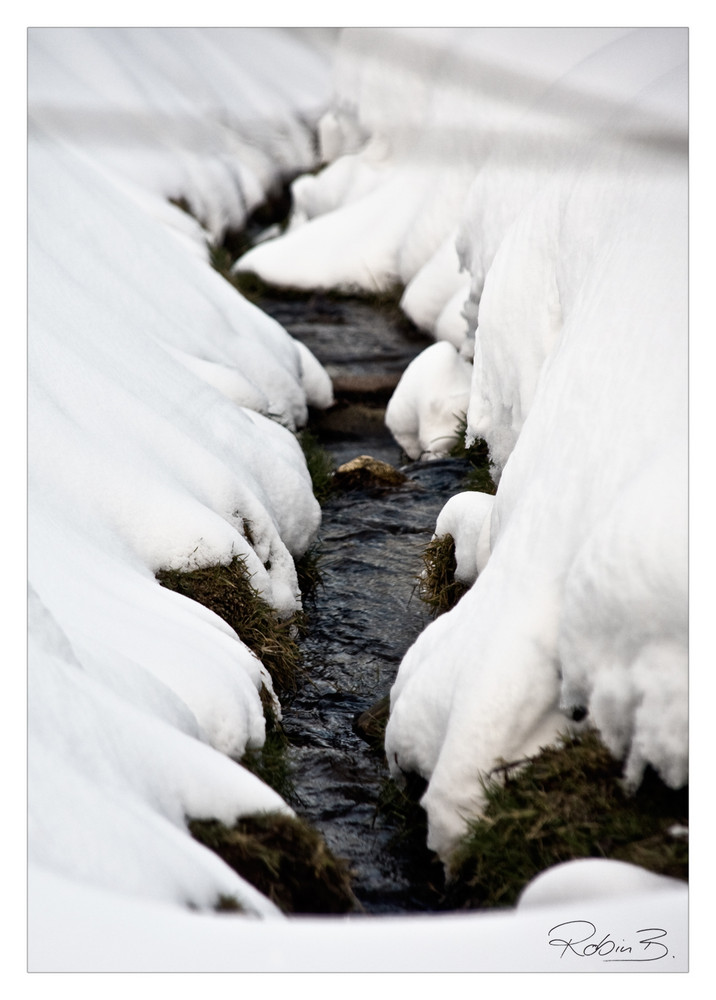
<point x="581" y="938"/>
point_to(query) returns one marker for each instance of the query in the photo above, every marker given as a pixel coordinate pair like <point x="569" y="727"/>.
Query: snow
<point x="158" y="105"/>
<point x="417" y="112"/>
<point x="588" y="534"/>
<point x="106" y="929"/>
<point x="111" y="782"/>
<point x="161" y="406"/>
<point x="432" y="392"/>
<point x="593" y="878"/>
<point x="466" y="517"/>
<point x="161" y="411"/>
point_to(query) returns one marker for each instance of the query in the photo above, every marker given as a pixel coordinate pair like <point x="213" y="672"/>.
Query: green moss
<point x="221" y="260"/>
<point x="183" y="205"/>
<point x="436" y="585"/>
<point x="271" y="763"/>
<point x="479" y="477"/>
<point x="283" y="858"/>
<point x="566" y="803"/>
<point x="227" y="590"/>
<point x="256" y="289"/>
<point x="320" y="465"/>
<point x="228" y="904"/>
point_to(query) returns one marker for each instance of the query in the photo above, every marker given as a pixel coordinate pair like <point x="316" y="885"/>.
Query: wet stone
<point x="365" y="471"/>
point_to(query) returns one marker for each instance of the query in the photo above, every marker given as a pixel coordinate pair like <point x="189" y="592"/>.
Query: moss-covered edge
<point x="226" y="589"/>
<point x="281" y="856"/>
<point x="565" y="803"/>
<point x="320" y="464"/>
<point x="436" y="585"/>
<point x="479" y="475"/>
<point x="284" y="858"/>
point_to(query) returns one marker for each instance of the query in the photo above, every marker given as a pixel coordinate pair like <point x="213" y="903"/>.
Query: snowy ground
<point x="107" y="929"/>
<point x="156" y="396"/>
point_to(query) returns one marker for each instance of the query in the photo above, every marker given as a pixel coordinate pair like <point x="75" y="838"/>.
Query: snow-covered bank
<point x="580" y="390"/>
<point x="199" y="114"/>
<point x="161" y="406"/>
<point x="419" y="114"/>
<point x="582" y="603"/>
<point x="609" y="913"/>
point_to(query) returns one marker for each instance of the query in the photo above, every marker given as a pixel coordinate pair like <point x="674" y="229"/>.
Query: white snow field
<point x="75" y="926"/>
<point x="551" y="164"/>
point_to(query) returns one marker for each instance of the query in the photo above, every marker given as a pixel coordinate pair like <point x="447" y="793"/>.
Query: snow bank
<point x="437" y="134"/>
<point x="580" y="389"/>
<point x="161" y="411"/>
<point x="199" y="114"/>
<point x="417" y="112"/>
<point x="112" y="777"/>
<point x="431" y="396"/>
<point x="84" y="928"/>
<point x="593" y="878"/>
<point x="466" y="517"/>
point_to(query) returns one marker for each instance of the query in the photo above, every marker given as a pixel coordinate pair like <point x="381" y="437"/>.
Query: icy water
<point x="366" y="614"/>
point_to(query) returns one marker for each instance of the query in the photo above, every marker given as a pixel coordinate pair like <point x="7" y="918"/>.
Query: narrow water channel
<point x="366" y="613"/>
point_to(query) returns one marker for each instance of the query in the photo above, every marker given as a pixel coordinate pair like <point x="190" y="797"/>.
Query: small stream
<point x="365" y="615"/>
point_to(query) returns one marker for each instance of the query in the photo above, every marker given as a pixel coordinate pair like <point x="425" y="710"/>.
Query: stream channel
<point x="366" y="613"/>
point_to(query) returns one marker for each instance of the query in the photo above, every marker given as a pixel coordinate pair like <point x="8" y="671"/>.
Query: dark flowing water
<point x="365" y="615"/>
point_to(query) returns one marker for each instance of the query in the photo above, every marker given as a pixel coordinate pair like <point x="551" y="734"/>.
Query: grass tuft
<point x="271" y="763"/>
<point x="283" y="858"/>
<point x="221" y="260"/>
<point x="320" y="465"/>
<point x="400" y="805"/>
<point x="228" y="904"/>
<point x="566" y="803"/>
<point x="227" y="591"/>
<point x="183" y="205"/>
<point x="308" y="571"/>
<point x="479" y="477"/>
<point x="436" y="586"/>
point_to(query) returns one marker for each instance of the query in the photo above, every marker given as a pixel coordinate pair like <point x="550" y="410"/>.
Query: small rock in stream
<point x="365" y="471"/>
